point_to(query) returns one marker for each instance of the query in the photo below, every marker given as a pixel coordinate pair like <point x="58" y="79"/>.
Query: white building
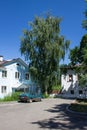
<point x="69" y="83"/>
<point x="13" y="74"/>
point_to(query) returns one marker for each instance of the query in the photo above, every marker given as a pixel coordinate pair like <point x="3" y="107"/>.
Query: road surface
<point x="49" y="114"/>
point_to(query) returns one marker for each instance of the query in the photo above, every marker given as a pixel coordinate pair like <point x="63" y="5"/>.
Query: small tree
<point x="83" y="53"/>
<point x="74" y="56"/>
<point x="78" y="55"/>
<point x="83" y="49"/>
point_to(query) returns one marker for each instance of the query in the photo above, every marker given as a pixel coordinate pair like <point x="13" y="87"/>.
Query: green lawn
<point x="80" y="105"/>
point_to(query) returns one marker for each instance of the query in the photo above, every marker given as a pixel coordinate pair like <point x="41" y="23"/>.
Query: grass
<point x="45" y="95"/>
<point x="13" y="97"/>
<point x="80" y="105"/>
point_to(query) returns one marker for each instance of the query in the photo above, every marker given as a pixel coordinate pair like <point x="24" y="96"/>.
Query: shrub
<point x="13" y="97"/>
<point x="56" y="89"/>
<point x="45" y="95"/>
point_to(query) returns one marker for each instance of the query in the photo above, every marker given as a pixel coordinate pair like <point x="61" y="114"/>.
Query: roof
<point x="3" y="62"/>
<point x="23" y="86"/>
<point x="2" y="68"/>
<point x="7" y="62"/>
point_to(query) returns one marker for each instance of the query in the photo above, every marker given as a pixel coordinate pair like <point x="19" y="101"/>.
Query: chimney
<point x="1" y="58"/>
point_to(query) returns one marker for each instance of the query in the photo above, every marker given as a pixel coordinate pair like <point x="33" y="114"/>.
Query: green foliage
<point x="84" y="22"/>
<point x="79" y="55"/>
<point x="85" y="55"/>
<point x="45" y="95"/>
<point x="83" y="49"/>
<point x="63" y="69"/>
<point x="81" y="58"/>
<point x="13" y="97"/>
<point x="74" y="55"/>
<point x="78" y="107"/>
<point x="44" y="47"/>
<point x="83" y="80"/>
<point x="58" y="87"/>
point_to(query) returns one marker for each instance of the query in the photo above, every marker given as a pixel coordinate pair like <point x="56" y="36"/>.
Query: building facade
<point x="13" y="75"/>
<point x="69" y="83"/>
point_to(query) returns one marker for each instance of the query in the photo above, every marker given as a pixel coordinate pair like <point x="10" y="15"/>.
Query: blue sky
<point x="15" y="15"/>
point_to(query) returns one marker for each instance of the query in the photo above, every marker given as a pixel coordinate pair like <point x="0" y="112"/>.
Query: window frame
<point x="80" y="92"/>
<point x="72" y="92"/>
<point x="70" y="78"/>
<point x="4" y="73"/>
<point x="17" y="75"/>
<point x="3" y="89"/>
<point x="27" y="76"/>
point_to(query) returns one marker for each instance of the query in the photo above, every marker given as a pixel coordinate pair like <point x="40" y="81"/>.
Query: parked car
<point x="33" y="93"/>
<point x="27" y="97"/>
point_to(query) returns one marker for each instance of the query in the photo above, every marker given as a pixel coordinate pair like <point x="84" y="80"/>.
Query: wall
<point x="68" y="87"/>
<point x="10" y="81"/>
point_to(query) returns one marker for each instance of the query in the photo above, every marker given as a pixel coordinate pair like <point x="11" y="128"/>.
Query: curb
<point x="82" y="114"/>
<point x="9" y="102"/>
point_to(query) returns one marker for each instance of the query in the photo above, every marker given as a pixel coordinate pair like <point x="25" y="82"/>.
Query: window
<point x="18" y="64"/>
<point x="27" y="76"/>
<point x="4" y="73"/>
<point x="13" y="90"/>
<point x="3" y="89"/>
<point x="70" y="77"/>
<point x="17" y="75"/>
<point x="72" y="91"/>
<point x="80" y="92"/>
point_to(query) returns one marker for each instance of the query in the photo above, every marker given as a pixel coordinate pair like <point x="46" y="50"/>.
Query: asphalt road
<point x="50" y="114"/>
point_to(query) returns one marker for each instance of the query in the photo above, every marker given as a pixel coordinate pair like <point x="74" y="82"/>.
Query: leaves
<point x="83" y="80"/>
<point x="74" y="55"/>
<point x="44" y="47"/>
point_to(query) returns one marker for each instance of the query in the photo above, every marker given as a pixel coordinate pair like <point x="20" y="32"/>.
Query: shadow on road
<point x="62" y="120"/>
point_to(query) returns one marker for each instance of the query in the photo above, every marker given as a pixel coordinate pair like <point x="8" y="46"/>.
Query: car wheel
<point x="40" y="99"/>
<point x="30" y="100"/>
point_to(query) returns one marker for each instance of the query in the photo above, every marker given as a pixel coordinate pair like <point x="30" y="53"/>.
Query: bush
<point x="45" y="95"/>
<point x="13" y="97"/>
<point x="56" y="89"/>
